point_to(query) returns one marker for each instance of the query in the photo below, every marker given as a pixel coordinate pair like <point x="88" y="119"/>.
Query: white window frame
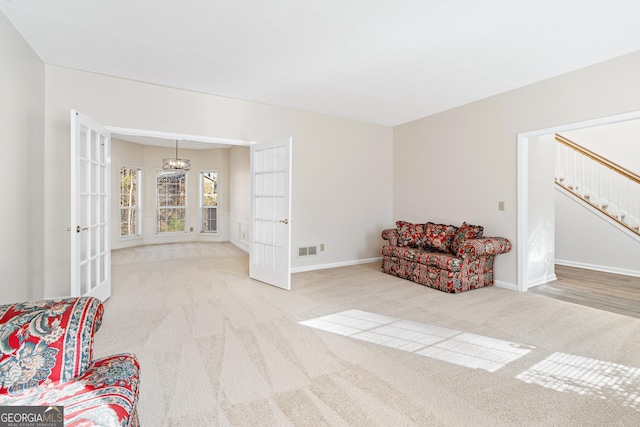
<point x="138" y="208"/>
<point x="185" y="207"/>
<point x="203" y="207"/>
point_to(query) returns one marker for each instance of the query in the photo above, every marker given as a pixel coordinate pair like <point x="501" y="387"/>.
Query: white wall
<point x="342" y="169"/>
<point x="584" y="240"/>
<point x="149" y="160"/>
<point x="22" y="77"/>
<point x="456" y="165"/>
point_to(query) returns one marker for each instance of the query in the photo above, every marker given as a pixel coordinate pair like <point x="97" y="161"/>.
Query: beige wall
<point x="456" y="165"/>
<point x="341" y="169"/>
<point x="22" y="77"/>
<point x="239" y="197"/>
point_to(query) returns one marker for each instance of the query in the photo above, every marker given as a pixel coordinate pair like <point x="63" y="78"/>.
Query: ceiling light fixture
<point x="176" y="163"/>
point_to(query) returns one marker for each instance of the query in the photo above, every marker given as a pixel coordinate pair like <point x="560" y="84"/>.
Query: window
<point x="171" y="202"/>
<point x="130" y="179"/>
<point x="209" y="201"/>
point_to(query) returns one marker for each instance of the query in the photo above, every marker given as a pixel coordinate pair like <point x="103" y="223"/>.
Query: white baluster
<point x="575" y="173"/>
<point x="619" y="199"/>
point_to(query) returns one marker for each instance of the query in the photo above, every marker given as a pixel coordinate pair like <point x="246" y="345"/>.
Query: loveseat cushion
<point x="466" y="232"/>
<point x="46" y="341"/>
<point x="422" y="256"/>
<point x="439" y="237"/>
<point x="409" y="234"/>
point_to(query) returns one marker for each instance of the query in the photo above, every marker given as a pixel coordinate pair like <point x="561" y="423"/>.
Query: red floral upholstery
<point x="466" y="232"/>
<point x="391" y="234"/>
<point x="467" y="265"/>
<point x="46" y="351"/>
<point x="484" y="247"/>
<point x="410" y="235"/>
<point x="46" y="341"/>
<point x="435" y="259"/>
<point x="439" y="237"/>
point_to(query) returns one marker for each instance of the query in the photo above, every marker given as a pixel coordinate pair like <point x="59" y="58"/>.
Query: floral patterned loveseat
<point x="444" y="257"/>
<point x="46" y="359"/>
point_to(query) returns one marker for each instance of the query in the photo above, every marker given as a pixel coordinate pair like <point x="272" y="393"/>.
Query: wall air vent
<point x="307" y="251"/>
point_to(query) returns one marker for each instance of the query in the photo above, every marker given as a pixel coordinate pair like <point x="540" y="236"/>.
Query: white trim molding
<point x="505" y="285"/>
<point x="603" y="268"/>
<point x="542" y="280"/>
<point x="179" y="136"/>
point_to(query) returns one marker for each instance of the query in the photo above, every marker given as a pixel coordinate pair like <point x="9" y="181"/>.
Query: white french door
<point x="270" y="254"/>
<point x="90" y="248"/>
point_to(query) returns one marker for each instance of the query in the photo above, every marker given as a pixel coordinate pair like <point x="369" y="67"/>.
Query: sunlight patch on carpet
<point x="567" y="372"/>
<point x="461" y="348"/>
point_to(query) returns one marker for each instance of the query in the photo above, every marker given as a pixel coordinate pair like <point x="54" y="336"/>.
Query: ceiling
<point x="379" y="61"/>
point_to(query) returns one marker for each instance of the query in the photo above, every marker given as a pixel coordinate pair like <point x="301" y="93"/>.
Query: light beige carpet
<point x="218" y="348"/>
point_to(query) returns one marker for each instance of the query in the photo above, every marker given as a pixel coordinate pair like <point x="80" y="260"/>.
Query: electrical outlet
<point x="191" y="229"/>
<point x="321" y="247"/>
<point x="500" y="206"/>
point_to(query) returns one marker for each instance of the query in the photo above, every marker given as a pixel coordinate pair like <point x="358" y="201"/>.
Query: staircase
<point x="604" y="185"/>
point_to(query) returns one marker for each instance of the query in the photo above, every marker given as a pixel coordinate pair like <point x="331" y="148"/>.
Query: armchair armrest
<point x="105" y="395"/>
<point x="484" y="246"/>
<point x="110" y="393"/>
<point x="45" y="341"/>
<point x="391" y="234"/>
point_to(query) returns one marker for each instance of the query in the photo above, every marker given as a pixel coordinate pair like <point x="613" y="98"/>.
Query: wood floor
<point x="605" y="291"/>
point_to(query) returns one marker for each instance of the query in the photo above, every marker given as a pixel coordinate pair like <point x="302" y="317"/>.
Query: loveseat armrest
<point x="484" y="246"/>
<point x="391" y="234"/>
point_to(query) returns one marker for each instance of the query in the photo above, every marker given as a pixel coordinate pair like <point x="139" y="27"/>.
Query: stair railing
<point x="603" y="184"/>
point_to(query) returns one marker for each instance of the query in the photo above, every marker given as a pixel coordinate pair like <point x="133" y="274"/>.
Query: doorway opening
<point x="262" y="220"/>
<point x="527" y="257"/>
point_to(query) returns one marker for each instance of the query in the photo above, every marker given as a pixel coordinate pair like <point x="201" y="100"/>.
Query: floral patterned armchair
<point x="46" y="358"/>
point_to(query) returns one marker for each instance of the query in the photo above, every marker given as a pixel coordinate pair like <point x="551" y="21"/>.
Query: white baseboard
<point x="505" y="285"/>
<point x="542" y="280"/>
<point x="335" y="265"/>
<point x="497" y="283"/>
<point x="239" y="244"/>
<point x="603" y="268"/>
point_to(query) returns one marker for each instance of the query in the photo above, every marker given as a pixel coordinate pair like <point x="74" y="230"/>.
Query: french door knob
<point x="79" y="229"/>
<point x="284" y="221"/>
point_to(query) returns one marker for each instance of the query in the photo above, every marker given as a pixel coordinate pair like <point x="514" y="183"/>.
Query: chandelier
<point x="176" y="163"/>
